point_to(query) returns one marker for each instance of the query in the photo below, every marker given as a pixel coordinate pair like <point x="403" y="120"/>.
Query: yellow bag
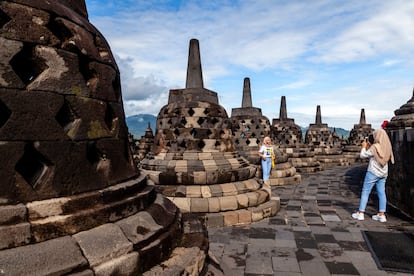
<point x="273" y="160"/>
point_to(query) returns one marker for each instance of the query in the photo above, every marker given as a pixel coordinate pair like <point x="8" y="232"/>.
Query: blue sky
<point x="341" y="55"/>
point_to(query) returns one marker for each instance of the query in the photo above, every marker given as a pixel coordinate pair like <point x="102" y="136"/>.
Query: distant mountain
<point x="137" y="124"/>
<point x="340" y="131"/>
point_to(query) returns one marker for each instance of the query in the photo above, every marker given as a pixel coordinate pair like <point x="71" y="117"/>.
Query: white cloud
<point x="331" y="53"/>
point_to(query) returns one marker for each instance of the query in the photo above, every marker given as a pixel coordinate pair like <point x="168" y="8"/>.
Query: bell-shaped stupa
<point x="195" y="162"/>
<point x="288" y="136"/>
<point x="327" y="147"/>
<point x="249" y="126"/>
<point x="352" y="148"/>
<point x="71" y="199"/>
<point x="400" y="181"/>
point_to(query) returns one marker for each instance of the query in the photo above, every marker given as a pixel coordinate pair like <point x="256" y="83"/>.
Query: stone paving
<point x="312" y="234"/>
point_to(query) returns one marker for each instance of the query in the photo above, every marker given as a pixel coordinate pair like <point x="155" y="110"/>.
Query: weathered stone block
<point x="139" y="227"/>
<point x="10" y="214"/>
<point x="53" y="257"/>
<point x="14" y="235"/>
<point x="230" y="218"/>
<point x="103" y="243"/>
<point x="199" y="205"/>
<point x="228" y="203"/>
<point x="124" y="265"/>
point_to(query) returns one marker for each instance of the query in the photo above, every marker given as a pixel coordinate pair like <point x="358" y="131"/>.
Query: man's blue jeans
<point x="369" y="182"/>
<point x="266" y="166"/>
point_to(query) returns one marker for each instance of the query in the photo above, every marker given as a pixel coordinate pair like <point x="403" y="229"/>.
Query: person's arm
<point x="365" y="152"/>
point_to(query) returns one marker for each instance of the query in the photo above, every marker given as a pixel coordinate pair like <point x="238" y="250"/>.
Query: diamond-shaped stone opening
<point x="214" y="120"/>
<point x="183" y="121"/>
<point x="5" y="113"/>
<point x="27" y="65"/>
<point x="191" y="111"/>
<point x="253" y="135"/>
<point x="110" y="117"/>
<point x="116" y="84"/>
<point x="93" y="154"/>
<point x="61" y="31"/>
<point x="242" y="135"/>
<point x="200" y="120"/>
<point x="237" y="141"/>
<point x="176" y="131"/>
<point x="257" y="141"/>
<point x="32" y="166"/>
<point x="169" y="122"/>
<point x="193" y="132"/>
<point x="65" y="116"/>
<point x="217" y="143"/>
<point x="4" y="18"/>
<point x="209" y="132"/>
<point x="247" y="128"/>
<point x="183" y="144"/>
<point x="201" y="144"/>
<point x="247" y="141"/>
<point x="206" y="111"/>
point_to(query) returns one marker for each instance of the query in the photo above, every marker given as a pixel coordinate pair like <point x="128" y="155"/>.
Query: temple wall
<point x="400" y="182"/>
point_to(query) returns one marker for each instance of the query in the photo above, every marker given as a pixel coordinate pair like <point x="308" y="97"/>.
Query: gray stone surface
<point x="103" y="243"/>
<point x="54" y="257"/>
<point x="287" y="244"/>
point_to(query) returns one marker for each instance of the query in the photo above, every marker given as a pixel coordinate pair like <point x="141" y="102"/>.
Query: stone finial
<point x="247" y="94"/>
<point x="283" y="112"/>
<point x="194" y="72"/>
<point x="318" y="119"/>
<point x="362" y="120"/>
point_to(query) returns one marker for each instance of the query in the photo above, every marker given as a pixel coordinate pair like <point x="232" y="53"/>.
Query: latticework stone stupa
<point x="326" y="146"/>
<point x="357" y="134"/>
<point x="249" y="126"/>
<point x="195" y="162"/>
<point x="288" y="136"/>
<point x="71" y="199"/>
<point x="400" y="181"/>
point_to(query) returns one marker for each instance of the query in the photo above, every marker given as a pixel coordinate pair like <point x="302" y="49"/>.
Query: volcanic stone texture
<point x="71" y="198"/>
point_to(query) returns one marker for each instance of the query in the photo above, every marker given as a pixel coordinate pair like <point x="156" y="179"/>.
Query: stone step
<point x="244" y="216"/>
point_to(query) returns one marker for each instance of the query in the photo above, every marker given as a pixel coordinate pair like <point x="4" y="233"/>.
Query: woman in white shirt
<point x="379" y="151"/>
<point x="266" y="153"/>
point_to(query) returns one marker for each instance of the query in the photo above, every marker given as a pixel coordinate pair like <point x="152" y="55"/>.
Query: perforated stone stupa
<point x="400" y="181"/>
<point x="326" y="146"/>
<point x="71" y="199"/>
<point x="357" y="134"/>
<point x="196" y="164"/>
<point x="288" y="136"/>
<point x="249" y="126"/>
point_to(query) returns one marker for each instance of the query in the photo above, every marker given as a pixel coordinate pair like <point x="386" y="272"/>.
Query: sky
<point x="342" y="55"/>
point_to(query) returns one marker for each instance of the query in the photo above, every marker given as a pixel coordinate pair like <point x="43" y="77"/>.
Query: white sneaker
<point x="379" y="218"/>
<point x="358" y="216"/>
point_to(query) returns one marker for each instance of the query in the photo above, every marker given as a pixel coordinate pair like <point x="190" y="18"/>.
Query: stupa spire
<point x="318" y="119"/>
<point x="283" y="111"/>
<point x="194" y="72"/>
<point x="247" y="94"/>
<point x="362" y="120"/>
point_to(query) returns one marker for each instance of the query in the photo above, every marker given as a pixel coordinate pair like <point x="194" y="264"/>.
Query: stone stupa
<point x="288" y="136"/>
<point x="326" y="146"/>
<point x="352" y="148"/>
<point x="249" y="126"/>
<point x="72" y="202"/>
<point x="195" y="163"/>
<point x="400" y="181"/>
